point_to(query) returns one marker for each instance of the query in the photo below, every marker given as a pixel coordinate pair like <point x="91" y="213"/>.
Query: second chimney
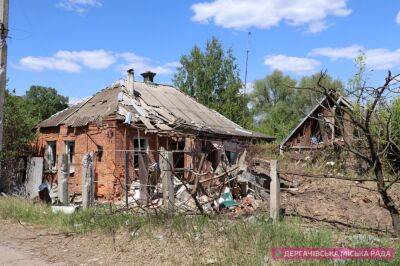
<point x="148" y="76"/>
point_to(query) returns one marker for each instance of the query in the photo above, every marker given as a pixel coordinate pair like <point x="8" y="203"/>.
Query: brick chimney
<point x="148" y="76"/>
<point x="130" y="81"/>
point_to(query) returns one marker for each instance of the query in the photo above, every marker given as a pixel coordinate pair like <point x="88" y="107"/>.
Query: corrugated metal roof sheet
<point x="163" y="106"/>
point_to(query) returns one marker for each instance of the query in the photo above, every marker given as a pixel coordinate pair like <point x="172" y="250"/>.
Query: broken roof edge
<point x="77" y="107"/>
<point x="188" y="130"/>
<point x="212" y="135"/>
<point x="319" y="104"/>
<point x="340" y="99"/>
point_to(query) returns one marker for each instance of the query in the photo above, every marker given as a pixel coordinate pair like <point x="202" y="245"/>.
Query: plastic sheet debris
<point x="64" y="209"/>
<point x="226" y="199"/>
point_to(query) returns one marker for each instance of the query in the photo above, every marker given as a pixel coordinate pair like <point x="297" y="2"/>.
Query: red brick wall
<point x="131" y="134"/>
<point x="110" y="166"/>
<point x="86" y="140"/>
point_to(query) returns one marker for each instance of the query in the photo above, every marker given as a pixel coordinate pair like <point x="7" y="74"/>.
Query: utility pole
<point x="245" y="76"/>
<point x="3" y="62"/>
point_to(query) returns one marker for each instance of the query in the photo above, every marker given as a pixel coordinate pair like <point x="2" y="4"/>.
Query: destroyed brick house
<point x="127" y="124"/>
<point x="320" y="128"/>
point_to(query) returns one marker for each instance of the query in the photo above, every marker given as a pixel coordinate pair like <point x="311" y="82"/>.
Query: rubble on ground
<point x="239" y="189"/>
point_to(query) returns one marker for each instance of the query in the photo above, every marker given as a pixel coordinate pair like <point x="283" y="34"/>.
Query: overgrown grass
<point x="239" y="241"/>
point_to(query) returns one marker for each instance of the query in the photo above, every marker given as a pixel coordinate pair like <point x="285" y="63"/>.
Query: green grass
<point x="228" y="241"/>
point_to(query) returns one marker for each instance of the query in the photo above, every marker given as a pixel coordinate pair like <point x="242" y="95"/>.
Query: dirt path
<point x="15" y="257"/>
<point x="23" y="244"/>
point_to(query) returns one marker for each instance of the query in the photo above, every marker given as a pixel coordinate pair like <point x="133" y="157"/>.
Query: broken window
<point x="50" y="155"/>
<point x="178" y="157"/>
<point x="139" y="144"/>
<point x="70" y="150"/>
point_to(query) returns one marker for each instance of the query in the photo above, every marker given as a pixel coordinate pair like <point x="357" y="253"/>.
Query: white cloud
<point x="349" y="52"/>
<point x="297" y="65"/>
<point x="69" y="61"/>
<point x="398" y="18"/>
<point x="317" y="26"/>
<point x="378" y="59"/>
<point x="96" y="59"/>
<point x="242" y="14"/>
<point x="173" y="64"/>
<point x="142" y="64"/>
<point x="78" y="6"/>
<point x="50" y="63"/>
<point x="75" y="61"/>
<point x="382" y="59"/>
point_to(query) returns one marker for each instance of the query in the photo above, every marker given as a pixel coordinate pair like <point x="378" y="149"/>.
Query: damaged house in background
<point x="123" y="128"/>
<point x="320" y="128"/>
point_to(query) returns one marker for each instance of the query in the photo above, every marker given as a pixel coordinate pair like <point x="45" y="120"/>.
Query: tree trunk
<point x="387" y="200"/>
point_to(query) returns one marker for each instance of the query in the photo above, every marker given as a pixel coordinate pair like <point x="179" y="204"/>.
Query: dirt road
<point x="24" y="244"/>
<point x="12" y="256"/>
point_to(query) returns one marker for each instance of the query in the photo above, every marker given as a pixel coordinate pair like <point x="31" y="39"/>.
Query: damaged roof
<point x="159" y="108"/>
<point x="311" y="115"/>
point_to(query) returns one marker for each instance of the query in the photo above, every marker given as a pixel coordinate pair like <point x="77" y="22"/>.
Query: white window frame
<point x="51" y="156"/>
<point x="69" y="155"/>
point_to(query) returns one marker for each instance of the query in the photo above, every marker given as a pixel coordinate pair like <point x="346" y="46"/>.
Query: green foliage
<point x="43" y="102"/>
<point x="22" y="113"/>
<point x="308" y="98"/>
<point x="277" y="105"/>
<point x="394" y="149"/>
<point x="358" y="80"/>
<point x="395" y="125"/>
<point x="18" y="126"/>
<point x="212" y="77"/>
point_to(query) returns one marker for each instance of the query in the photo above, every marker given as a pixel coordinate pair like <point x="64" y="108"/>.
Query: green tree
<point x="277" y="106"/>
<point x="271" y="102"/>
<point x="212" y="77"/>
<point x="18" y="126"/>
<point x="305" y="98"/>
<point x="44" y="102"/>
<point x="357" y="82"/>
<point x="274" y="88"/>
<point x="23" y="113"/>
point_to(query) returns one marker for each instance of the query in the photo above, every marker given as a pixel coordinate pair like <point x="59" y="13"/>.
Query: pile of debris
<point x="239" y="189"/>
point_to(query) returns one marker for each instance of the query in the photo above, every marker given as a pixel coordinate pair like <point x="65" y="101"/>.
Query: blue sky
<point x="80" y="46"/>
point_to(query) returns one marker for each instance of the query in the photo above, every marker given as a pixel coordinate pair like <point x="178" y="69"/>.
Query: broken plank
<point x="163" y="127"/>
<point x="147" y="123"/>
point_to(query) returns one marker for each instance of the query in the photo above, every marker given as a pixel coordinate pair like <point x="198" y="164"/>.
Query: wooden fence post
<point x="126" y="188"/>
<point x="87" y="180"/>
<point x="63" y="174"/>
<point x="166" y="161"/>
<point x="91" y="176"/>
<point x="275" y="196"/>
<point x="143" y="179"/>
